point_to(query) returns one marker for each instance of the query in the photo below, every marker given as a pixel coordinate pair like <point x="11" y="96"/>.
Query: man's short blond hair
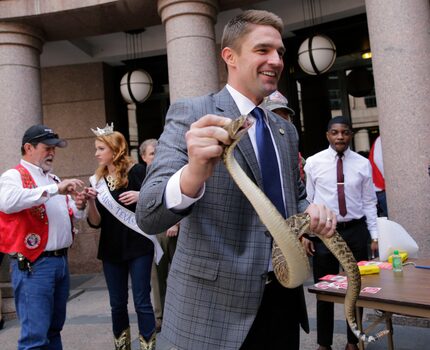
<point x="240" y="26"/>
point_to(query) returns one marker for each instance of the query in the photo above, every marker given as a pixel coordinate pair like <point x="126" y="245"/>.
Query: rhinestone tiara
<point x="107" y="130"/>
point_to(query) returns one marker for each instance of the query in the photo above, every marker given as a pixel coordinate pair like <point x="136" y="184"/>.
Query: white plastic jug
<point x="393" y="236"/>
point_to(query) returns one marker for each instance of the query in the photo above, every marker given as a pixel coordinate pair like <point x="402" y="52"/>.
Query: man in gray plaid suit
<point x="221" y="293"/>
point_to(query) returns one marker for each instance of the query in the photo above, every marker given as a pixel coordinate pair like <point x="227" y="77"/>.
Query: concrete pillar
<point x="361" y="141"/>
<point x="400" y="41"/>
<point x="132" y="132"/>
<point x="190" y="38"/>
<point x="20" y="94"/>
<point x="20" y="107"/>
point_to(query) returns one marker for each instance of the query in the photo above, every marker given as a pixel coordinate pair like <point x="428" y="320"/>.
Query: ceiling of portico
<point x="82" y="31"/>
<point x="64" y="20"/>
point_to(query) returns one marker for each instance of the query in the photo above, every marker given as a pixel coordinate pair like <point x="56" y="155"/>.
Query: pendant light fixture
<point x="317" y="53"/>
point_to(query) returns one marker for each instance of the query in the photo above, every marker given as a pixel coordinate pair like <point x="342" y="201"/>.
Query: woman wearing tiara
<point x="123" y="248"/>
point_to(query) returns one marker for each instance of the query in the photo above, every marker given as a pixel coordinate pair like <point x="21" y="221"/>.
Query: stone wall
<point x="73" y="99"/>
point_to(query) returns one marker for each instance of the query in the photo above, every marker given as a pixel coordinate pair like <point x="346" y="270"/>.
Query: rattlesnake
<point x="289" y="260"/>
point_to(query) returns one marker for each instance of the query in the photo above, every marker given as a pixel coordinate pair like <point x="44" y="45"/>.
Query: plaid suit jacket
<point x="218" y="274"/>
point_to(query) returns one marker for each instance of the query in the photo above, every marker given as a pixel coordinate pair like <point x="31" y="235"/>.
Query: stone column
<point x="20" y="94"/>
<point x="20" y="107"/>
<point x="132" y="132"/>
<point x="190" y="38"/>
<point x="400" y="41"/>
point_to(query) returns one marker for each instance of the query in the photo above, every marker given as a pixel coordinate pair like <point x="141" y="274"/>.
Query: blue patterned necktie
<point x="268" y="162"/>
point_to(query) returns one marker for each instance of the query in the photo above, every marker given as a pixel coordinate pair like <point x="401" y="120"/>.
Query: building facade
<point x="61" y="63"/>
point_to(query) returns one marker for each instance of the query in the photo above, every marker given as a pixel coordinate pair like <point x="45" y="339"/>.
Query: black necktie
<point x="268" y="162"/>
<point x="340" y="185"/>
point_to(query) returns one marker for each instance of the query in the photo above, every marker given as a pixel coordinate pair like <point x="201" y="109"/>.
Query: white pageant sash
<point x="126" y="216"/>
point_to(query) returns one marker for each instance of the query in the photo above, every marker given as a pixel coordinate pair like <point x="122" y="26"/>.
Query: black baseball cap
<point x="42" y="134"/>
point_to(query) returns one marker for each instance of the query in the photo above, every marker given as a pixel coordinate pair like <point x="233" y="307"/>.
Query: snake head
<point x="239" y="126"/>
<point x="299" y="224"/>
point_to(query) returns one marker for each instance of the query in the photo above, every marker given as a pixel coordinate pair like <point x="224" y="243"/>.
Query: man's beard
<point x="46" y="167"/>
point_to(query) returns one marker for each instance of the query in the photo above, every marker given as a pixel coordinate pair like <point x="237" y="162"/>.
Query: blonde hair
<point x="121" y="160"/>
<point x="241" y="25"/>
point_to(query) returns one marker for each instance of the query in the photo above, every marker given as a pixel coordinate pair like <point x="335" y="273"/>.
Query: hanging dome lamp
<point x="316" y="54"/>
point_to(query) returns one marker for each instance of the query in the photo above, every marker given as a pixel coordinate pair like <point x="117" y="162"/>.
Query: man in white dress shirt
<point x="356" y="223"/>
<point x="36" y="212"/>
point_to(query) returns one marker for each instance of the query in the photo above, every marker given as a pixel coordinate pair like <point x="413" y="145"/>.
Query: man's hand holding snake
<point x="323" y="220"/>
<point x="204" y="145"/>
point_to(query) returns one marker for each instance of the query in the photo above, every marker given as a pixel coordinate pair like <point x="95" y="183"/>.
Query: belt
<point x="48" y="253"/>
<point x="351" y="223"/>
<point x="54" y="253"/>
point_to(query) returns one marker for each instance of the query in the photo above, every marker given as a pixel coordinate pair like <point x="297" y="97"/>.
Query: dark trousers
<point x="168" y="244"/>
<point x="116" y="275"/>
<point x="382" y="203"/>
<point x="277" y="324"/>
<point x="1" y="317"/>
<point x="324" y="263"/>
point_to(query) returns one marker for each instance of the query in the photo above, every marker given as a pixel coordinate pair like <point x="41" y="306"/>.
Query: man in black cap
<point x="36" y="211"/>
<point x="278" y="103"/>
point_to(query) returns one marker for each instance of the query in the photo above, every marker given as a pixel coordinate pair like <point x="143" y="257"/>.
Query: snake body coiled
<point x="289" y="259"/>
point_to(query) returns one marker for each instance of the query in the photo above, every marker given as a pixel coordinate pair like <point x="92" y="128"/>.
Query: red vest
<point x="25" y="232"/>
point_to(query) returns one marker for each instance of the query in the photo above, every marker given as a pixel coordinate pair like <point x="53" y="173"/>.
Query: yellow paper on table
<point x="369" y="269"/>
<point x="403" y="254"/>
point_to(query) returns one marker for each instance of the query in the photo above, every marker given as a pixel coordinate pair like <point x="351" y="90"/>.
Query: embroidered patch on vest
<point x="32" y="240"/>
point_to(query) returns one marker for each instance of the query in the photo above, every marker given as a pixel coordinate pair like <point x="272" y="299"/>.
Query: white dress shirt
<point x="177" y="200"/>
<point x="360" y="197"/>
<point x="14" y="198"/>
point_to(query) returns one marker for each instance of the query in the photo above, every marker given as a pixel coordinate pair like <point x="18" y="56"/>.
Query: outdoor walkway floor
<point x="88" y="325"/>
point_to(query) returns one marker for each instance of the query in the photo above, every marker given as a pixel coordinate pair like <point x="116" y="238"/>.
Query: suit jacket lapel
<point x="283" y="139"/>
<point x="279" y="135"/>
<point x="225" y="104"/>
<point x="245" y="147"/>
<point x="226" y="107"/>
